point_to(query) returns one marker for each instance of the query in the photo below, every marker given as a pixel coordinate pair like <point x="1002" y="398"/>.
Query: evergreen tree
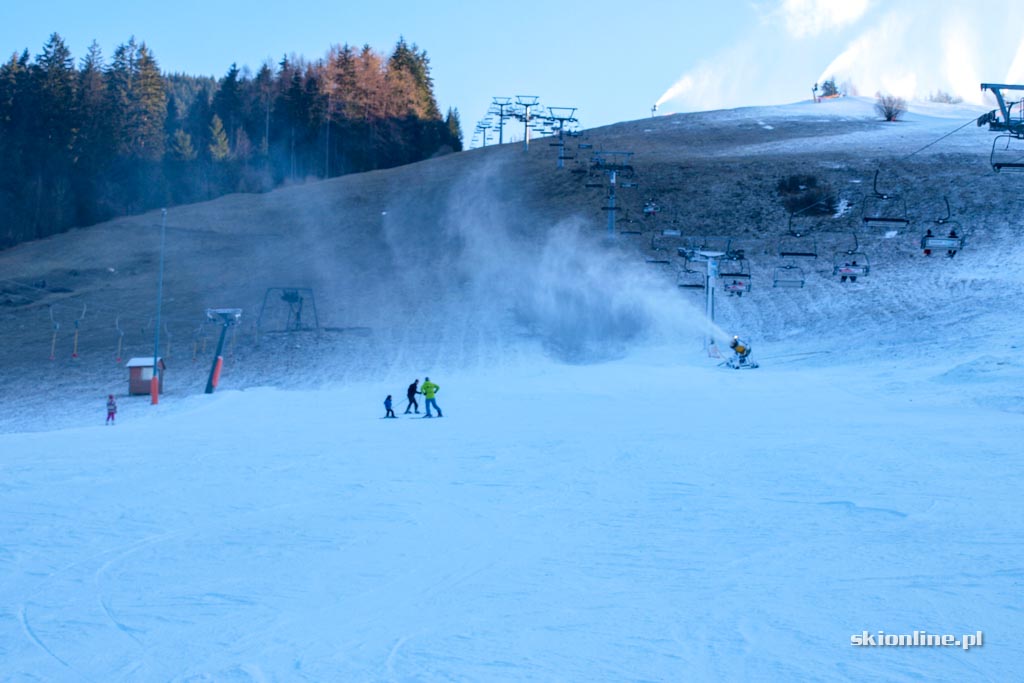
<point x="414" y="63"/>
<point x="219" y="150"/>
<point x="264" y="85"/>
<point x="181" y="146"/>
<point x="151" y="106"/>
<point x="53" y="136"/>
<point x="94" y="142"/>
<point x="454" y="126"/>
<point x="227" y="102"/>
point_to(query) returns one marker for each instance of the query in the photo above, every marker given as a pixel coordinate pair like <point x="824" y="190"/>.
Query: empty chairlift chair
<point x="1008" y="153"/>
<point x="691" y="278"/>
<point x="660" y="246"/>
<point x="883" y="208"/>
<point x="799" y="245"/>
<point x="789" y="276"/>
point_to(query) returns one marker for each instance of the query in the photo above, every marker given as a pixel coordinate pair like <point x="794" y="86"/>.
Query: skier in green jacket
<point x="429" y="390"/>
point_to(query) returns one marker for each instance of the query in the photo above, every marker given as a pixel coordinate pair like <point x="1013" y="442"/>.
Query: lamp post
<point x="154" y="382"/>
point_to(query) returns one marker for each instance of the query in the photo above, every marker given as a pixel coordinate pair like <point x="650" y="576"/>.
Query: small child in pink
<point x="111" y="409"/>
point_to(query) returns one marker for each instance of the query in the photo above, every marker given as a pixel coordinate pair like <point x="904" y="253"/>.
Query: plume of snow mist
<point x="582" y="301"/>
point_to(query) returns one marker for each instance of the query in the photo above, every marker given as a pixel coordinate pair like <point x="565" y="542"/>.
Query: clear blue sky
<point x="612" y="59"/>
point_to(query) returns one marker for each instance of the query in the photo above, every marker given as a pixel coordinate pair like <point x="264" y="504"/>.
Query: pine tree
<point x="181" y="146"/>
<point x="151" y="105"/>
<point x="414" y="62"/>
<point x="95" y="146"/>
<point x="454" y="125"/>
<point x="55" y="85"/>
<point x="219" y="150"/>
<point x="227" y="102"/>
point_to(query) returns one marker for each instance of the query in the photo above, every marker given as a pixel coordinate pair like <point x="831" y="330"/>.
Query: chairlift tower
<point x="561" y="115"/>
<point x="613" y="164"/>
<point x="1011" y="157"/>
<point x="711" y="258"/>
<point x="501" y="103"/>
<point x="526" y="102"/>
<point x="483" y="127"/>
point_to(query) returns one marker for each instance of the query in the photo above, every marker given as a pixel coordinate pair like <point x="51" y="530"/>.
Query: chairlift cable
<point x="969" y="122"/>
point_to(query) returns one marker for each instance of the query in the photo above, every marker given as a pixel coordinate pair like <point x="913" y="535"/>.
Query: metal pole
<point x="501" y="103"/>
<point x="327" y="150"/>
<point x="154" y="387"/>
<point x="710" y="304"/>
<point x="561" y="144"/>
<point x="216" y="357"/>
<point x="611" y="207"/>
<point x="526" y="131"/>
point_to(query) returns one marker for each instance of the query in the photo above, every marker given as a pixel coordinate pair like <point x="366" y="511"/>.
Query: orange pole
<point x="216" y="370"/>
<point x="154" y="388"/>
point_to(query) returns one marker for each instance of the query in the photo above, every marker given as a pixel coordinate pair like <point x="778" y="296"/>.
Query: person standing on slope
<point x="111" y="409"/>
<point x="410" y="394"/>
<point x="430" y="390"/>
<point x="387" y="407"/>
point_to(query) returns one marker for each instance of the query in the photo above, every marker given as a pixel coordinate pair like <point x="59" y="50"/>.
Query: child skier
<point x="111" y="409"/>
<point x="387" y="406"/>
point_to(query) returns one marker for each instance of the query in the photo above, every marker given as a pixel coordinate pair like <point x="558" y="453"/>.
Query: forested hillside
<point x="83" y="142"/>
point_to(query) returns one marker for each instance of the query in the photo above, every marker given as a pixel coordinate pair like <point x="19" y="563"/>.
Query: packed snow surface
<point x="642" y="519"/>
<point x="600" y="502"/>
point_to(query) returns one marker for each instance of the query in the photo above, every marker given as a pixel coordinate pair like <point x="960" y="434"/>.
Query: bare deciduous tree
<point x="890" y="107"/>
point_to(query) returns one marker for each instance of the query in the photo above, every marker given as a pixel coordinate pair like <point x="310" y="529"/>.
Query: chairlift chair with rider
<point x="850" y="263"/>
<point x="735" y="276"/>
<point x="947" y="235"/>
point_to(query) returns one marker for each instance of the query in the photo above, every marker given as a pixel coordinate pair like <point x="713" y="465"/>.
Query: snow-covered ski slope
<point x="601" y="502"/>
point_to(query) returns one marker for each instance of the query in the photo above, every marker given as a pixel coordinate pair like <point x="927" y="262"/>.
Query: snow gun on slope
<point x="741" y="355"/>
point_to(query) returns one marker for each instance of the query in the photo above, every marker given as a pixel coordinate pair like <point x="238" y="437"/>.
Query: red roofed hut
<point x="140" y="375"/>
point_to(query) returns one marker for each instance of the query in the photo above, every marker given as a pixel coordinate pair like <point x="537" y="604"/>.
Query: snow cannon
<point x="741" y="355"/>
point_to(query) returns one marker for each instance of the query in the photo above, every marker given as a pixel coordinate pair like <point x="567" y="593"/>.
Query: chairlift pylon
<point x="1011" y="126"/>
<point x="884" y="208"/>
